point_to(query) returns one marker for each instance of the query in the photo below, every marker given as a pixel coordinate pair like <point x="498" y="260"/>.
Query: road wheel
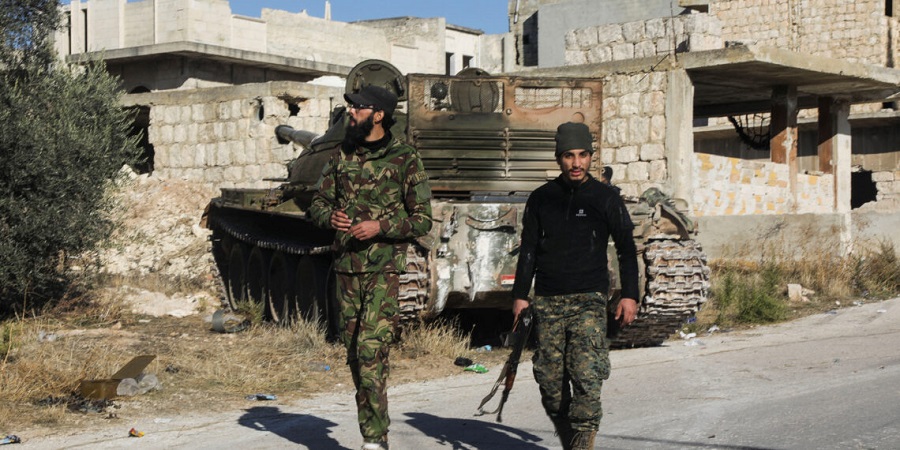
<point x="235" y="281"/>
<point x="281" y="274"/>
<point x="257" y="276"/>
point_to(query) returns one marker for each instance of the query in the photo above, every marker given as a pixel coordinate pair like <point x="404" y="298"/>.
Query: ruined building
<point x="773" y="120"/>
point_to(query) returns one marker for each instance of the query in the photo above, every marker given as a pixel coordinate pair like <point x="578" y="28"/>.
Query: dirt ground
<point x="159" y="291"/>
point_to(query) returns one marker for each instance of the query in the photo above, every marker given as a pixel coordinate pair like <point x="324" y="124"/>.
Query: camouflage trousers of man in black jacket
<point x="572" y="360"/>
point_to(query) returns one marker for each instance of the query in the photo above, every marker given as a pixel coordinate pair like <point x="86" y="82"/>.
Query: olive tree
<point x="63" y="140"/>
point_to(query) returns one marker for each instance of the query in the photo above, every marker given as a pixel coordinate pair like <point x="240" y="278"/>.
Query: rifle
<point x="520" y="332"/>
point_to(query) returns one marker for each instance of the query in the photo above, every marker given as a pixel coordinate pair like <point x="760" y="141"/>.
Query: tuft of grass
<point x="876" y="271"/>
<point x="750" y="289"/>
<point x="439" y="338"/>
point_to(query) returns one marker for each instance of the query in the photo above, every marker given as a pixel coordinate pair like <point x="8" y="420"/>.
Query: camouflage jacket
<point x="387" y="184"/>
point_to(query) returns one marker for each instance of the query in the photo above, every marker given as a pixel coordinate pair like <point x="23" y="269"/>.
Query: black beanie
<point x="571" y="135"/>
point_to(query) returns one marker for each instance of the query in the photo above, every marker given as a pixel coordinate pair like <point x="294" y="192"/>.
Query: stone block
<point x="659" y="171"/>
<point x="610" y="107"/>
<point x="653" y="103"/>
<point x="638" y="130"/>
<point x="223" y="156"/>
<point x="585" y="38"/>
<point x="609" y="34"/>
<point x="198" y="113"/>
<point x="644" y="49"/>
<point x="652" y="152"/>
<point x="882" y="176"/>
<point x="638" y="171"/>
<point x="166" y="134"/>
<point x="598" y="54"/>
<point x="179" y="133"/>
<point x="633" y="32"/>
<point x="700" y="42"/>
<point x="223" y="110"/>
<point x="616" y="132"/>
<point x="171" y="114"/>
<point x="655" y="29"/>
<point x="607" y="156"/>
<point x="629" y="104"/>
<point x="657" y="128"/>
<point x="576" y="57"/>
<point x="623" y="51"/>
<point x="627" y="154"/>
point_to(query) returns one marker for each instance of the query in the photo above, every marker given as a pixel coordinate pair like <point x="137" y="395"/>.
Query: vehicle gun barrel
<point x="286" y="133"/>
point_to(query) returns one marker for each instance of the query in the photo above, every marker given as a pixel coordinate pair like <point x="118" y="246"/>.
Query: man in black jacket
<point x="567" y="226"/>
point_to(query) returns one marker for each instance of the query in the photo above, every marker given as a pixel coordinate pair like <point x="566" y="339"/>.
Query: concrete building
<point x="211" y="85"/>
<point x="810" y="86"/>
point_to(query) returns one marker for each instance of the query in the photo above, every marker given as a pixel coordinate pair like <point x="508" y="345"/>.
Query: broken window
<point x="862" y="188"/>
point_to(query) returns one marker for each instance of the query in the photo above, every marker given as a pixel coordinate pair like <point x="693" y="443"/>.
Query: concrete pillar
<point x="842" y="156"/>
<point x="78" y="30"/>
<point x="826" y="135"/>
<point x="680" y="135"/>
<point x="783" y="146"/>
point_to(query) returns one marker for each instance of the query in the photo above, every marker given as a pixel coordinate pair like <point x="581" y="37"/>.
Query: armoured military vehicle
<point x="486" y="142"/>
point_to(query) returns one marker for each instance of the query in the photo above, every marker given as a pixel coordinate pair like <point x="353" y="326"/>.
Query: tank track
<point x="251" y="233"/>
<point x="677" y="285"/>
<point x="413" y="284"/>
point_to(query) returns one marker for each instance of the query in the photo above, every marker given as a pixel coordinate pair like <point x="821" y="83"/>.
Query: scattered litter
<point x="172" y="369"/>
<point x="108" y="388"/>
<point x="261" y="397"/>
<point x="881" y="311"/>
<point x="44" y="336"/>
<point x="318" y="367"/>
<point x="224" y="322"/>
<point x="111" y="416"/>
<point x="837" y="303"/>
<point x="692" y="320"/>
<point x="485" y="348"/>
<point x="691" y="344"/>
<point x="135" y="433"/>
<point x="712" y="329"/>
<point x="10" y="439"/>
<point x="687" y="336"/>
<point x="857" y="303"/>
<point x="832" y="312"/>
<point x="477" y="368"/>
<point x="143" y="320"/>
<point x="463" y="361"/>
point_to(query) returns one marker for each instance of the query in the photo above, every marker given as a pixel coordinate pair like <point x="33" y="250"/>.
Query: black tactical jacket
<point x="565" y="236"/>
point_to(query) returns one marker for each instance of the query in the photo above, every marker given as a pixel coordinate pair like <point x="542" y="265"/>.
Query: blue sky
<point x="486" y="15"/>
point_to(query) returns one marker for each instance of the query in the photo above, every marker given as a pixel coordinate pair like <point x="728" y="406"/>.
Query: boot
<point x="583" y="440"/>
<point x="564" y="431"/>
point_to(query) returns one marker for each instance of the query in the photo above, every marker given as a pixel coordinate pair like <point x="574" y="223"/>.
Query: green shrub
<point x="876" y="272"/>
<point x="63" y="142"/>
<point x="749" y="297"/>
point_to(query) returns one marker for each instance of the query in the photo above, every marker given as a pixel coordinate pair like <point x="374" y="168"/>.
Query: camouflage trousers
<point x="370" y="315"/>
<point x="572" y="358"/>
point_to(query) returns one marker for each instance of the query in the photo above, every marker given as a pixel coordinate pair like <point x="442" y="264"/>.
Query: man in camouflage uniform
<point x="567" y="226"/>
<point x="374" y="192"/>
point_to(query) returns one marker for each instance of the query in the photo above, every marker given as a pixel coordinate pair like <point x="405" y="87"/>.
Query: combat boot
<point x="583" y="440"/>
<point x="564" y="431"/>
<point x="380" y="445"/>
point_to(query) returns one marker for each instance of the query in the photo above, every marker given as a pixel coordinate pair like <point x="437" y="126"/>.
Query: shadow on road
<point x="303" y="429"/>
<point x="471" y="433"/>
<point x="609" y="440"/>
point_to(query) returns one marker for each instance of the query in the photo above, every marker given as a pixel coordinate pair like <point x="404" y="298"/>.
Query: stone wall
<point x="888" y="185"/>
<point x="634" y="130"/>
<point x="641" y="39"/>
<point x="853" y="30"/>
<point x="732" y="186"/>
<point x="225" y="137"/>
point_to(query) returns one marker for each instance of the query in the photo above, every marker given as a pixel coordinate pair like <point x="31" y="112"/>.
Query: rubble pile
<point x="160" y="230"/>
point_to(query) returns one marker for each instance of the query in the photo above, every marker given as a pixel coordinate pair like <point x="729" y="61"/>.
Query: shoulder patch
<point x="418" y="177"/>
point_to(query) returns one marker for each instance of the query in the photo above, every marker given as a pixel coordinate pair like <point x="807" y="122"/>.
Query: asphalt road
<point x="829" y="381"/>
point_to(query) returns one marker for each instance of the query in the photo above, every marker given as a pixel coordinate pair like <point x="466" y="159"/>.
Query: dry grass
<point x="44" y="358"/>
<point x="750" y="287"/>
